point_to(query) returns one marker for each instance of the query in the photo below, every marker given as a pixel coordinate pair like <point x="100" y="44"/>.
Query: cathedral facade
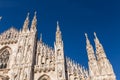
<point x="24" y="57"/>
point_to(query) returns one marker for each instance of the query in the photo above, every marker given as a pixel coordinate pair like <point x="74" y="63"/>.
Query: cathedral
<point x="24" y="57"/>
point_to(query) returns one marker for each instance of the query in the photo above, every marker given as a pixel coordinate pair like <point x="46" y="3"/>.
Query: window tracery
<point x="4" y="57"/>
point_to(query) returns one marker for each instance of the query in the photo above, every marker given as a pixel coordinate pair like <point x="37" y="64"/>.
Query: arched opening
<point x="44" y="77"/>
<point x="4" y="57"/>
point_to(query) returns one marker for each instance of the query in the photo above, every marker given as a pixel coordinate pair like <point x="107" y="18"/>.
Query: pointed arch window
<point x="4" y="57"/>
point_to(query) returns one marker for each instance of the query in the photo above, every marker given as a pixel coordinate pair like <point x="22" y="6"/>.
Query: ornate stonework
<point x="23" y="57"/>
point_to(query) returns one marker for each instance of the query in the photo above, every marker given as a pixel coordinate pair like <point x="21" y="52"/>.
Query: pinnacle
<point x="86" y="35"/>
<point x="26" y="22"/>
<point x="95" y="35"/>
<point x="35" y="12"/>
<point x="96" y="39"/>
<point x="57" y="22"/>
<point x="41" y="37"/>
<point x="58" y="28"/>
<point x="27" y="16"/>
<point x="87" y="40"/>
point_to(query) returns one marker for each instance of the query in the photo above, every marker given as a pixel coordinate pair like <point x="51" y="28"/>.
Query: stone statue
<point x="19" y="57"/>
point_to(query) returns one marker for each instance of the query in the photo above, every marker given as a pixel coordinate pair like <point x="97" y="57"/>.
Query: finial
<point x="96" y="38"/>
<point x="57" y="22"/>
<point x="58" y="28"/>
<point x="86" y="35"/>
<point x="35" y="12"/>
<point x="34" y="18"/>
<point x="87" y="40"/>
<point x="41" y="37"/>
<point x="95" y="35"/>
<point x="28" y="16"/>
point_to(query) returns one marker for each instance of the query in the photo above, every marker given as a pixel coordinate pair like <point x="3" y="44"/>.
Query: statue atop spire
<point x="96" y="38"/>
<point x="41" y="37"/>
<point x="87" y="40"/>
<point x="26" y="23"/>
<point x="34" y="22"/>
<point x="58" y="27"/>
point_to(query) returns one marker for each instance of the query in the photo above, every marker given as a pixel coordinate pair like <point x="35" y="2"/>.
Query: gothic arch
<point x="44" y="77"/>
<point x="4" y="57"/>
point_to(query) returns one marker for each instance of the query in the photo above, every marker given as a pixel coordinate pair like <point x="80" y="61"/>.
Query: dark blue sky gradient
<point x="75" y="17"/>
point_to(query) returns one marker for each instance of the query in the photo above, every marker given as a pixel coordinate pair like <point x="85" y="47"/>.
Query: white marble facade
<point x="24" y="57"/>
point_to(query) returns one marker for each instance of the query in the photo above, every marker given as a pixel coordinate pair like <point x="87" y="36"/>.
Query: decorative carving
<point x="15" y="74"/>
<point x="59" y="54"/>
<point x="22" y="41"/>
<point x="10" y="36"/>
<point x="75" y="70"/>
<point x="44" y="77"/>
<point x="59" y="72"/>
<point x="19" y="57"/>
<point x="45" y="58"/>
<point x="28" y="56"/>
<point x="4" y="57"/>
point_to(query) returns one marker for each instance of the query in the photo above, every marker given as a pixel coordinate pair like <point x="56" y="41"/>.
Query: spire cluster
<point x="98" y="58"/>
<point x="98" y="46"/>
<point x="26" y="23"/>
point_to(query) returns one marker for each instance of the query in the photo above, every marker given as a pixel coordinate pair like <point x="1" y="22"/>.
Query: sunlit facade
<point x="24" y="57"/>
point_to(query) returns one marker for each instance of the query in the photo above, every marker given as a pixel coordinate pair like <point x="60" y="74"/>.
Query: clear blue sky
<point x="75" y="17"/>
